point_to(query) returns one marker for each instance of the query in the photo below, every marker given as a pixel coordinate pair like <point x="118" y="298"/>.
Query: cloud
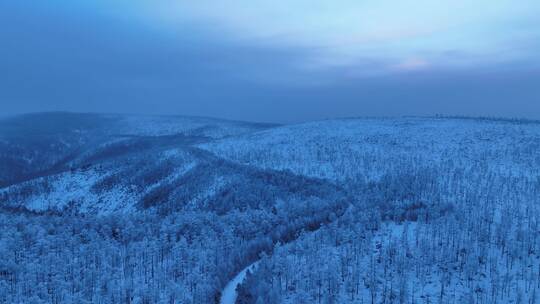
<point x="411" y="64"/>
<point x="265" y="60"/>
<point x="348" y="32"/>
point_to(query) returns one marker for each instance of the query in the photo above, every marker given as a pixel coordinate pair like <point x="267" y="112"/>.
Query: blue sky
<point x="272" y="60"/>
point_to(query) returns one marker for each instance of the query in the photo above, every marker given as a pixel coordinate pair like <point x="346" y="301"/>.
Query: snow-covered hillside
<point x="42" y="144"/>
<point x="458" y="199"/>
<point x="139" y="209"/>
<point x="113" y="186"/>
<point x="355" y="149"/>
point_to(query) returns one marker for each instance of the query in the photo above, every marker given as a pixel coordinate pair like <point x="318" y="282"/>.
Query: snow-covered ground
<point x="347" y="149"/>
<point x="171" y="125"/>
<point x="431" y="211"/>
<point x="229" y="294"/>
<point x="80" y="189"/>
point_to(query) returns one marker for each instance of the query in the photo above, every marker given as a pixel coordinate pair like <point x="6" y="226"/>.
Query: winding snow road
<point x="229" y="294"/>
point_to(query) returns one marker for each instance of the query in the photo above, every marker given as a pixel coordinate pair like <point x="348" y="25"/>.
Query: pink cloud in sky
<point x="412" y="64"/>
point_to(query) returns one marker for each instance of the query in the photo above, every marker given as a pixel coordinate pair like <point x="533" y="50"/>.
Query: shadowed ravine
<point x="229" y="293"/>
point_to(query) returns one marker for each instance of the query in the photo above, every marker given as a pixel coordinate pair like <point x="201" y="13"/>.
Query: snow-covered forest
<point x="136" y="209"/>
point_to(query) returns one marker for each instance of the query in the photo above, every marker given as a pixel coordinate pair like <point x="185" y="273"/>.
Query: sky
<point x="275" y="61"/>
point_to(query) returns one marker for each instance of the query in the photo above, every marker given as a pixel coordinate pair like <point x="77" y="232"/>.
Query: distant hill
<point x="41" y="144"/>
<point x="115" y="163"/>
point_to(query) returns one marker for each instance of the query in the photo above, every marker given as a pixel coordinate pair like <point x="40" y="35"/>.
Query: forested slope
<point x="139" y="209"/>
<point x="445" y="211"/>
<point x="150" y="218"/>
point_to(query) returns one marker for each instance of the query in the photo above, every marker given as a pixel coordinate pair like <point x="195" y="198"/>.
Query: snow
<point x="76" y="187"/>
<point x="163" y="125"/>
<point x="477" y="180"/>
<point x="341" y="150"/>
<point x="56" y="192"/>
<point x="229" y="294"/>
